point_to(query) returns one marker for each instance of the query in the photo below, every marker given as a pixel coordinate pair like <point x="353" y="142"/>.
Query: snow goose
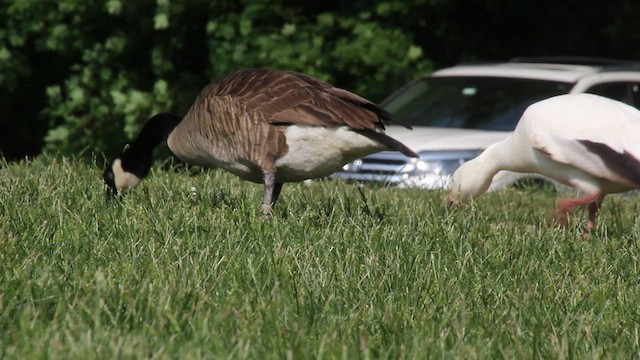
<point x="589" y="142"/>
<point x="265" y="126"/>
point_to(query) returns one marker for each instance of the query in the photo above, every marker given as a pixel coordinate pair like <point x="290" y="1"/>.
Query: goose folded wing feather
<point x="605" y="160"/>
<point x="298" y="103"/>
<point x="323" y="110"/>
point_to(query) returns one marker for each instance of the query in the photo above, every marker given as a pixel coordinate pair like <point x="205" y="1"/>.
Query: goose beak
<point x="108" y="179"/>
<point x="110" y="196"/>
<point x="451" y="202"/>
<point x="111" y="192"/>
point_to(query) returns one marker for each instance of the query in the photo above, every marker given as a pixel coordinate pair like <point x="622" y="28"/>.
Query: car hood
<point x="435" y="138"/>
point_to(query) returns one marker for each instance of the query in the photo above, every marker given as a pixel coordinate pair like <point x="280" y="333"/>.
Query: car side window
<point x="626" y="92"/>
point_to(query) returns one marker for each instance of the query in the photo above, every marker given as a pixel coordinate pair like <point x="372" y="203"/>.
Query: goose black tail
<point x="388" y="141"/>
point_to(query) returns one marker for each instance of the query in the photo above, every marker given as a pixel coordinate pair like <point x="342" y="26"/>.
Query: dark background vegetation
<point x="81" y="76"/>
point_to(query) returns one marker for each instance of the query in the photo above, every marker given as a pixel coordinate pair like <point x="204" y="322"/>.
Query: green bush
<point x="107" y="66"/>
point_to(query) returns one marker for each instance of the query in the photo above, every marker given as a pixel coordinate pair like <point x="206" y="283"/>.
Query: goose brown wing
<point x="284" y="97"/>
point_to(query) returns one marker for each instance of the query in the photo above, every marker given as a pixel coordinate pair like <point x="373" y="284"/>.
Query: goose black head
<point x="128" y="169"/>
<point x="125" y="172"/>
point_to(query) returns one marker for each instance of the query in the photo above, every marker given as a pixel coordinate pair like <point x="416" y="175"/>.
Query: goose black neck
<point x="156" y="130"/>
<point x="137" y="158"/>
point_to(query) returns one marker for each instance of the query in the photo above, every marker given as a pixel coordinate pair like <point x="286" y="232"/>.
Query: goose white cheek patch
<point x="124" y="180"/>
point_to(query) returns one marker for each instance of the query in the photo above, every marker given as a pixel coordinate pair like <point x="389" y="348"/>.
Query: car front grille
<point x="382" y="166"/>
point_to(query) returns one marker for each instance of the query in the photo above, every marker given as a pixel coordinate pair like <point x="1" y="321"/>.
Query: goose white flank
<point x="586" y="141"/>
<point x="265" y="126"/>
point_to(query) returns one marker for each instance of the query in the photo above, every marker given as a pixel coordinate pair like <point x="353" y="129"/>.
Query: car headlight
<point x="352" y="166"/>
<point x="433" y="169"/>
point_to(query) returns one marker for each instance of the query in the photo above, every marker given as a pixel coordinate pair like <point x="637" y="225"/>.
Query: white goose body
<point x="585" y="141"/>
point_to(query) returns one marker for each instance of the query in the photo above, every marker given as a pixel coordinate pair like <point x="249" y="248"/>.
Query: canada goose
<point x="265" y="126"/>
<point x="585" y="141"/>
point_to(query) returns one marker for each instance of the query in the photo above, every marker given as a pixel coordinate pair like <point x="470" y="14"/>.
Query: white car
<point x="458" y="112"/>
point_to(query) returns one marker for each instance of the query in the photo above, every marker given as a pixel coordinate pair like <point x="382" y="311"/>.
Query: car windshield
<point x="487" y="103"/>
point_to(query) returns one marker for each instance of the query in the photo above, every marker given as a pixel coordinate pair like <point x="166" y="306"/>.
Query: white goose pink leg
<point x="592" y="200"/>
<point x="593" y="212"/>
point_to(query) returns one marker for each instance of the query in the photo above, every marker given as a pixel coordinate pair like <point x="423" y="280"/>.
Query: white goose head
<point x="465" y="183"/>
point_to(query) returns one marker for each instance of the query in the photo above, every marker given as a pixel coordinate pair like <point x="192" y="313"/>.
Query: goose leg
<point x="564" y="207"/>
<point x="271" y="192"/>
<point x="593" y="213"/>
<point x="276" y="192"/>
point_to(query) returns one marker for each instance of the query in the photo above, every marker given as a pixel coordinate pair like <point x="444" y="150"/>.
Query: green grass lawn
<point x="186" y="267"/>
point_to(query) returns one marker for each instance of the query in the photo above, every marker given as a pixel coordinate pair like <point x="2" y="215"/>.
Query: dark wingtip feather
<point x="623" y="164"/>
<point x="388" y="141"/>
<point x="385" y="117"/>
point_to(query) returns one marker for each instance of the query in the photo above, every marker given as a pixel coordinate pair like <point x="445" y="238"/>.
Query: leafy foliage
<point x="86" y="74"/>
<point x="124" y="61"/>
